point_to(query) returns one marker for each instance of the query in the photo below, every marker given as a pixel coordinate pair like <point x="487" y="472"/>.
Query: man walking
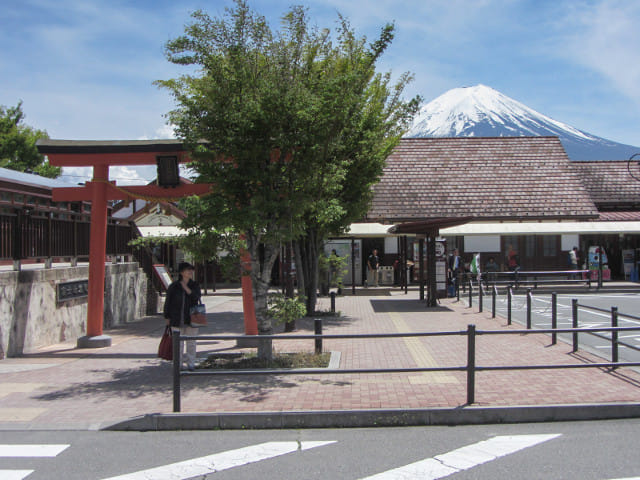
<point x="373" y="262"/>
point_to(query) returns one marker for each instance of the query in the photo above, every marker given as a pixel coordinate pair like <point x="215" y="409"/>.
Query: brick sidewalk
<point x="63" y="387"/>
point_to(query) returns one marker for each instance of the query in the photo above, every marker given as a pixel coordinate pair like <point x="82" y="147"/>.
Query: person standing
<point x="455" y="264"/>
<point x="512" y="259"/>
<point x="573" y="261"/>
<point x="491" y="267"/>
<point x="183" y="294"/>
<point x="373" y="262"/>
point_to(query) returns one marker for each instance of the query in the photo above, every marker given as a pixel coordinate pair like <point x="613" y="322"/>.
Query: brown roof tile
<point x="609" y="182"/>
<point x="497" y="178"/>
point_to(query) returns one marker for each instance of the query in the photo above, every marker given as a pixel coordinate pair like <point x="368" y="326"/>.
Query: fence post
<point x="574" y="322"/>
<point x="528" y="309"/>
<point x="470" y="294"/>
<point x="600" y="267"/>
<point x="317" y="323"/>
<point x="614" y="335"/>
<point x="509" y="298"/>
<point x="175" y="336"/>
<point x="471" y="364"/>
<point x="554" y="317"/>
<point x="493" y="302"/>
<point x="480" y="294"/>
<point x="333" y="302"/>
<point x="457" y="287"/>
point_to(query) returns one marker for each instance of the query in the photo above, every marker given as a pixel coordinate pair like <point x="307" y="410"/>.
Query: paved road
<point x="627" y="303"/>
<point x="585" y="450"/>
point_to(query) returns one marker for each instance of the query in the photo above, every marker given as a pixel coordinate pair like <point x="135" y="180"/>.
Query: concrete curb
<point x="377" y="418"/>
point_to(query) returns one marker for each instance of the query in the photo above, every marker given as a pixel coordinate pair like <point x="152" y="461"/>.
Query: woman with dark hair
<point x="183" y="294"/>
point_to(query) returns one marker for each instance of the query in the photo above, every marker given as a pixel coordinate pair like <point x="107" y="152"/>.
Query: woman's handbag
<point x="165" y="350"/>
<point x="198" y="317"/>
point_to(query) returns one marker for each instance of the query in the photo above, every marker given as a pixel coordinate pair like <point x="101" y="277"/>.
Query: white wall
<point x="481" y="243"/>
<point x="569" y="241"/>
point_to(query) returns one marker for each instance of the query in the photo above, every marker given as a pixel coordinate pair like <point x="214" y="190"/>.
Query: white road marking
<point x="463" y="458"/>
<point x="219" y="461"/>
<point x="31" y="450"/>
<point x="14" y="474"/>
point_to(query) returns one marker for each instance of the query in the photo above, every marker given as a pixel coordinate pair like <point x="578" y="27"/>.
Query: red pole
<point x="248" y="305"/>
<point x="97" y="250"/>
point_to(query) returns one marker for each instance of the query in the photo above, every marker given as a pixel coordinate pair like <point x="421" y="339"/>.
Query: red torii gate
<point x="101" y="155"/>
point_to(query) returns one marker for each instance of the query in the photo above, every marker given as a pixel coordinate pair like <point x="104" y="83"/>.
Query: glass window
<point x="31" y="200"/>
<point x="18" y="198"/>
<point x="549" y="245"/>
<point x="5" y="196"/>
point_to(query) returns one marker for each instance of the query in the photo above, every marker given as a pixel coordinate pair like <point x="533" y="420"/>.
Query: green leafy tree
<point x="285" y="121"/>
<point x="18" y="149"/>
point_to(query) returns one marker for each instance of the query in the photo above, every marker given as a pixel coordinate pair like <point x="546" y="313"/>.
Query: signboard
<point x="162" y="273"/>
<point x="71" y="290"/>
<point x="441" y="275"/>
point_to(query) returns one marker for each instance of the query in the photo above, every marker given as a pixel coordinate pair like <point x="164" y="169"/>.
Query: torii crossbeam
<point x="101" y="155"/>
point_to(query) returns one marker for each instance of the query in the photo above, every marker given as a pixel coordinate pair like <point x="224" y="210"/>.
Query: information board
<point x="162" y="273"/>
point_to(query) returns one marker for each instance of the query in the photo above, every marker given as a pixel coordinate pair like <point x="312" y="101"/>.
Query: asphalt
<point x="126" y="387"/>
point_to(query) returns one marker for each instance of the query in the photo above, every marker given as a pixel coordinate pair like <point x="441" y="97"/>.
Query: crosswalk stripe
<point x="219" y="461"/>
<point x="463" y="458"/>
<point x="14" y="474"/>
<point x="31" y="450"/>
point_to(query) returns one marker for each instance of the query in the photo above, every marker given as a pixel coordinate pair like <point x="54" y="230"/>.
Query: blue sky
<point x="84" y="68"/>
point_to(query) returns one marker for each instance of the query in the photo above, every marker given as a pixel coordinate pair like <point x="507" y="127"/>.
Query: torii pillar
<point x="101" y="155"/>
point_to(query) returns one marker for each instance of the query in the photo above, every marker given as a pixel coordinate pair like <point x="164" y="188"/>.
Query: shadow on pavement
<point x="404" y="305"/>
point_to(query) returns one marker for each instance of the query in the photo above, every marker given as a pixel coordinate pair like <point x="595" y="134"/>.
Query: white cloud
<point x="605" y="38"/>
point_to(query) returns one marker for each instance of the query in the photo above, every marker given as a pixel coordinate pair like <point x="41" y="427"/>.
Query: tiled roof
<point x="486" y="178"/>
<point x="609" y="182"/>
<point x="619" y="216"/>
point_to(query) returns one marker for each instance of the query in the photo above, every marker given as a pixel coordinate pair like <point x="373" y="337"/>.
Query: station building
<point x="518" y="191"/>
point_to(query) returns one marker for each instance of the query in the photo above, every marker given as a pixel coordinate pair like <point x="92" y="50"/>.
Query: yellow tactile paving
<point x="420" y="355"/>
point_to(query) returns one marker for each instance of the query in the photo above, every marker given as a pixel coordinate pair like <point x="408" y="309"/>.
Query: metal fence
<point x="615" y="315"/>
<point x="24" y="236"/>
<point x="470" y="368"/>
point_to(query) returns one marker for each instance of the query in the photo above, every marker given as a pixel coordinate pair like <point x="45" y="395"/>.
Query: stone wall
<point x="31" y="317"/>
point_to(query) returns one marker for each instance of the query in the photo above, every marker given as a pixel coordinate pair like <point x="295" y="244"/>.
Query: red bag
<point x="197" y="314"/>
<point x="165" y="350"/>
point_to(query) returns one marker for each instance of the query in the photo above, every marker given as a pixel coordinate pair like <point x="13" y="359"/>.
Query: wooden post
<point x="97" y="254"/>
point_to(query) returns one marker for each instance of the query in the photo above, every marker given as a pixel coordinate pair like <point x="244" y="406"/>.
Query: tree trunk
<point x="307" y="250"/>
<point x="288" y="284"/>
<point x="261" y="266"/>
<point x="301" y="271"/>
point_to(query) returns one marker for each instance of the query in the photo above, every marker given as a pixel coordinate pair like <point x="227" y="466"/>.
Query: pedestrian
<point x="373" y="262"/>
<point x="491" y="268"/>
<point x="573" y="261"/>
<point x="183" y="294"/>
<point x="513" y="261"/>
<point x="455" y="264"/>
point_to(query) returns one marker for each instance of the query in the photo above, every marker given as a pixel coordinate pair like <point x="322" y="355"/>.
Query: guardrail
<point x="470" y="368"/>
<point x="615" y="316"/>
<point x="519" y="278"/>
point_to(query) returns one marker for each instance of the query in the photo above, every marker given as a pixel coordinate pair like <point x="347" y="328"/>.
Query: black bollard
<point x="317" y="323"/>
<point x="528" y="309"/>
<point x="333" y="302"/>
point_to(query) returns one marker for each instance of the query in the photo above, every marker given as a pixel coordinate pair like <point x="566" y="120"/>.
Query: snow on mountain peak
<point x="459" y="109"/>
<point x="481" y="111"/>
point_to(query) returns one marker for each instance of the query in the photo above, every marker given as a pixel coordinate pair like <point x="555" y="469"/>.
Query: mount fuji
<point x="481" y="111"/>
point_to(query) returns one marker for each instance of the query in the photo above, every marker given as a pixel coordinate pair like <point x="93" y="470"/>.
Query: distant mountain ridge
<point x="481" y="111"/>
